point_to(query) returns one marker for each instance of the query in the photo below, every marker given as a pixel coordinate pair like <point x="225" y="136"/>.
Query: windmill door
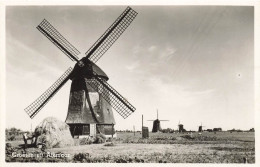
<point x="92" y="130"/>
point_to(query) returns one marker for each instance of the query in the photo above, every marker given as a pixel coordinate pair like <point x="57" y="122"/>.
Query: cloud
<point x="152" y="60"/>
<point x="152" y="48"/>
<point x="26" y="62"/>
<point x="176" y="95"/>
<point x="133" y="66"/>
<point x="168" y="53"/>
<point x="136" y="50"/>
<point x="163" y="52"/>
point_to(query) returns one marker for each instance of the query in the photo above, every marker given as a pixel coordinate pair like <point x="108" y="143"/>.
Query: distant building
<point x="156" y="126"/>
<point x="232" y="130"/>
<point x="209" y="130"/>
<point x="168" y="130"/>
<point x="217" y="129"/>
<point x="181" y="129"/>
<point x="252" y="130"/>
<point x="145" y="132"/>
<point x="200" y="129"/>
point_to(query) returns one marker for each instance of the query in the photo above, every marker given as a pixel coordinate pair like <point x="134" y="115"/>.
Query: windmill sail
<point x="37" y="105"/>
<point x="86" y="68"/>
<point x="111" y="35"/>
<point x="117" y="101"/>
<point x="57" y="39"/>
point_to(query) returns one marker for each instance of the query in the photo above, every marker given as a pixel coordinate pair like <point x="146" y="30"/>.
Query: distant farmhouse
<point x="217" y="129"/>
<point x="252" y="130"/>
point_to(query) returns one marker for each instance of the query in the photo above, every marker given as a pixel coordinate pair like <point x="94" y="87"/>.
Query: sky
<point x="195" y="64"/>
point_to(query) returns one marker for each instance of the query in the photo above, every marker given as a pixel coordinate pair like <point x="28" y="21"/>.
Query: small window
<point x="86" y="130"/>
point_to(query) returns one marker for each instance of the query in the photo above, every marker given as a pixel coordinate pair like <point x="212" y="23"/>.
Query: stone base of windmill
<point x="53" y="133"/>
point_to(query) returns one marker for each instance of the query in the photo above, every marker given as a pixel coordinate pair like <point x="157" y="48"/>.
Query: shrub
<point x="81" y="157"/>
<point x="110" y="139"/>
<point x="109" y="144"/>
<point x="187" y="137"/>
<point x="100" y="138"/>
<point x="11" y="138"/>
<point x="13" y="134"/>
<point x="85" y="141"/>
<point x="9" y="149"/>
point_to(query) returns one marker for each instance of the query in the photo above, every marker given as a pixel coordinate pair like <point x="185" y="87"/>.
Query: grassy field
<point x="234" y="136"/>
<point x="222" y="147"/>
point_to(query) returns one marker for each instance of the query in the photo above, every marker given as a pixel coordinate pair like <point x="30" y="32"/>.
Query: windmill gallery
<point x="91" y="97"/>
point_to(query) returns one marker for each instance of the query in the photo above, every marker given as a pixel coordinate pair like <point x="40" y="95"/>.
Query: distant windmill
<point x="200" y="128"/>
<point x="180" y="127"/>
<point x="157" y="124"/>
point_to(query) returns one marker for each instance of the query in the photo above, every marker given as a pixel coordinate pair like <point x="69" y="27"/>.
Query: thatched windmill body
<point x="180" y="127"/>
<point x="91" y="97"/>
<point x="157" y="124"/>
<point x="200" y="128"/>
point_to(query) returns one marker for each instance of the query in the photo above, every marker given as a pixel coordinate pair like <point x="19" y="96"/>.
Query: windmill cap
<point x="99" y="71"/>
<point x="87" y="71"/>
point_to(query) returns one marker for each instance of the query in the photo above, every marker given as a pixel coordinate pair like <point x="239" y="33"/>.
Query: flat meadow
<point x="205" y="147"/>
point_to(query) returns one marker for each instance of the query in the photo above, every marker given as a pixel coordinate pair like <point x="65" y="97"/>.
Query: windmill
<point x="157" y="124"/>
<point x="91" y="97"/>
<point x="200" y="128"/>
<point x="181" y="127"/>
